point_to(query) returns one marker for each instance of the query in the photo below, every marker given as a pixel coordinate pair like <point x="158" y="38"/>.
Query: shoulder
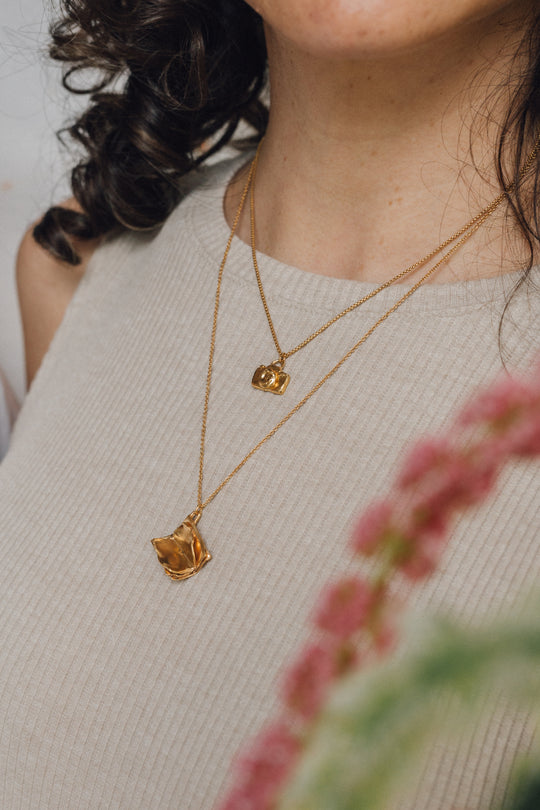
<point x="45" y="287"/>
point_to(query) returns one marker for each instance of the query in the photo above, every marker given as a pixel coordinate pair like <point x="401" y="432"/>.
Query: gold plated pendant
<point x="183" y="552"/>
<point x="271" y="378"/>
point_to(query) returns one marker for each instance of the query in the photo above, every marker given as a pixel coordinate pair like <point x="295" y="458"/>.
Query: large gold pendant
<point x="271" y="378"/>
<point x="183" y="552"/>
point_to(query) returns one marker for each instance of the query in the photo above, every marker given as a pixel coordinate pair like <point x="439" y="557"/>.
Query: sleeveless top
<point x="8" y="413"/>
<point x="120" y="688"/>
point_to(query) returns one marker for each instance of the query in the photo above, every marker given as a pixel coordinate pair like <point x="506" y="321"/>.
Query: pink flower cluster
<point x="406" y="534"/>
<point x="265" y="769"/>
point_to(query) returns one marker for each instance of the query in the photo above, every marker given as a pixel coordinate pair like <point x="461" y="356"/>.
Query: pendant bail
<point x="195" y="516"/>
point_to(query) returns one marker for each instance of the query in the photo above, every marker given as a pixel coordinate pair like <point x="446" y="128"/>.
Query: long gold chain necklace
<point x="184" y="552"/>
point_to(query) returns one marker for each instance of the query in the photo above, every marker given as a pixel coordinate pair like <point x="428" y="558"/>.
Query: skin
<point x="45" y="287"/>
<point x="357" y="29"/>
<point x="367" y="164"/>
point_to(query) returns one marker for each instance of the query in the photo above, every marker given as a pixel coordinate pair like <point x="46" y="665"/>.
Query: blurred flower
<point x="502" y="403"/>
<point x="264" y="769"/>
<point x="423" y="556"/>
<point x="371" y="528"/>
<point x="406" y="533"/>
<point x="307" y="682"/>
<point x="425" y="456"/>
<point x="345" y="606"/>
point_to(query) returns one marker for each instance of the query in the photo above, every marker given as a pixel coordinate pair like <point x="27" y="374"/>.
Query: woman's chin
<point x="364" y="29"/>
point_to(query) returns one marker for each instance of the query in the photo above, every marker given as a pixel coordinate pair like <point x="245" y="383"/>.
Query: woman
<point x="122" y="687"/>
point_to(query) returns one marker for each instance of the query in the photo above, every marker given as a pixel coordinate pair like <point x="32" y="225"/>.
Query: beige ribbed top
<point x="122" y="689"/>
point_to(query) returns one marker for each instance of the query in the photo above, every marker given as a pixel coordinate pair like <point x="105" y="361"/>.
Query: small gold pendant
<point x="271" y="378"/>
<point x="183" y="552"/>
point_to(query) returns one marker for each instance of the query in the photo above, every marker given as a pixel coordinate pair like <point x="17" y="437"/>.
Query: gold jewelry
<point x="272" y="377"/>
<point x="184" y="552"/>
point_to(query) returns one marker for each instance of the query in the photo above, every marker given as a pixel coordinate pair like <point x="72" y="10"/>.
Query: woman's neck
<point x="366" y="166"/>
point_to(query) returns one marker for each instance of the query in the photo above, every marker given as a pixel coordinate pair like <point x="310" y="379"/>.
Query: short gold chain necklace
<point x="272" y="377"/>
<point x="184" y="552"/>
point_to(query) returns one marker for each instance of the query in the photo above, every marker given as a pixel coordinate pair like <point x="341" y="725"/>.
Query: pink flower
<point x="425" y="457"/>
<point x="463" y="481"/>
<point x="523" y="439"/>
<point x="457" y="480"/>
<point x="307" y="682"/>
<point x="423" y="557"/>
<point x="370" y="531"/>
<point x="408" y="531"/>
<point x="481" y="477"/>
<point x="264" y="771"/>
<point x="345" y="606"/>
<point x="501" y="404"/>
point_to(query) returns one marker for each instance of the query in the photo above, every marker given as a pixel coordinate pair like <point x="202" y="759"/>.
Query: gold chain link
<point x="478" y="218"/>
<point x="465" y="233"/>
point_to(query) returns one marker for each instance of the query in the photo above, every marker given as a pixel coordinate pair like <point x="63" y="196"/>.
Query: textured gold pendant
<point x="271" y="378"/>
<point x="183" y="552"/>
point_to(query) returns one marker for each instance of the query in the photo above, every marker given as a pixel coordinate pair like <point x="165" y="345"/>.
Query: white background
<point x="33" y="168"/>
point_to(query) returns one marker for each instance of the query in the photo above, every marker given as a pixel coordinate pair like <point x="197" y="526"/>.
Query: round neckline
<point x="314" y="290"/>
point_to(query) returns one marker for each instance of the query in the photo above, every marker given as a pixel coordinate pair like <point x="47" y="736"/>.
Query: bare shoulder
<point x="45" y="287"/>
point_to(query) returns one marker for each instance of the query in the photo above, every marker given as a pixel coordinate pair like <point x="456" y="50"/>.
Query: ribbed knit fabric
<point x="122" y="689"/>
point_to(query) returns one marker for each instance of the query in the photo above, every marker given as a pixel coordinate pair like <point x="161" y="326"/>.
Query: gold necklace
<point x="272" y="377"/>
<point x="184" y="552"/>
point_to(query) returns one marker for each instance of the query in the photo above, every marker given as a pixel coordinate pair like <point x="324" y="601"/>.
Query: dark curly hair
<point x="172" y="80"/>
<point x="169" y="82"/>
